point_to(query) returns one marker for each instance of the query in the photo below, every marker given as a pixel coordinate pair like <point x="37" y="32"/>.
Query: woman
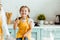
<point x="3" y="24"/>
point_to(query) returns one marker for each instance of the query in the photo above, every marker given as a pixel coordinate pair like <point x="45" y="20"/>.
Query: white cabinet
<point x="42" y="32"/>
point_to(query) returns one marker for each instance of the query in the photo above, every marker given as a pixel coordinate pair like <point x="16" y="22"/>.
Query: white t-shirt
<point x="31" y="20"/>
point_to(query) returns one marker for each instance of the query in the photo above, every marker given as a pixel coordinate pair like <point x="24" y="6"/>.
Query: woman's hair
<point x="25" y="7"/>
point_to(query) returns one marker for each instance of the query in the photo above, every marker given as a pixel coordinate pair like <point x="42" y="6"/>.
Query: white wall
<point x="49" y="7"/>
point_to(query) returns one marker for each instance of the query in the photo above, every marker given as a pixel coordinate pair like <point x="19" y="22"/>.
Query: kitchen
<point x="48" y="28"/>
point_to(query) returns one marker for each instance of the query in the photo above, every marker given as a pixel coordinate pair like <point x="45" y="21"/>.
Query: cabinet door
<point x="12" y="32"/>
<point x="36" y="33"/>
<point x="57" y="33"/>
<point x="45" y="33"/>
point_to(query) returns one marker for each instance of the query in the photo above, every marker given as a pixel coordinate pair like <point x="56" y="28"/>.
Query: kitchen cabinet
<point x="41" y="32"/>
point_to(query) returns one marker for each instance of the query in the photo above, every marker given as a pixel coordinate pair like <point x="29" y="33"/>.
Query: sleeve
<point x="4" y="24"/>
<point x="32" y="22"/>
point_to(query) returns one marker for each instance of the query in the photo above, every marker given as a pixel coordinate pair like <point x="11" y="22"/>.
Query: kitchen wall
<point x="48" y="7"/>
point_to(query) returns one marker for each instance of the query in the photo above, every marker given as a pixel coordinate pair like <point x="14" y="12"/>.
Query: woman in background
<point x="24" y="24"/>
<point x="3" y="24"/>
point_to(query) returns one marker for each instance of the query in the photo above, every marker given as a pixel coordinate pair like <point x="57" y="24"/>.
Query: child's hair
<point x="25" y="7"/>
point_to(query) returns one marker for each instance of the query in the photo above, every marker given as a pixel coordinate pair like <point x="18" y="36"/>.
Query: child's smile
<point x="24" y="12"/>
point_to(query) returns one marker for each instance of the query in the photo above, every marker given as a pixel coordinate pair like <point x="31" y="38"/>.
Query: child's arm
<point x="31" y="24"/>
<point x="16" y="23"/>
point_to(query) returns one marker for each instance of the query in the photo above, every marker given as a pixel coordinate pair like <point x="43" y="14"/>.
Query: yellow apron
<point x="1" y="26"/>
<point x="1" y="32"/>
<point x="23" y="28"/>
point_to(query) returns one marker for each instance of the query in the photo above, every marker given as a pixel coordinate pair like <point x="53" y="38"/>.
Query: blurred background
<point x="48" y="7"/>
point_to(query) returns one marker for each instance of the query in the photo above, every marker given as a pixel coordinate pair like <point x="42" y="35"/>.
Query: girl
<point x="24" y="24"/>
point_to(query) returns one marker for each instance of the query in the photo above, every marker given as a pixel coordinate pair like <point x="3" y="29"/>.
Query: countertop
<point x="41" y="26"/>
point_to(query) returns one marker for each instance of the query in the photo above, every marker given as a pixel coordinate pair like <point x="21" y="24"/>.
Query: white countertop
<point x="41" y="26"/>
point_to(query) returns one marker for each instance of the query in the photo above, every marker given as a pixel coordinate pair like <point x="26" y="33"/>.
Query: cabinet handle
<point x="10" y="32"/>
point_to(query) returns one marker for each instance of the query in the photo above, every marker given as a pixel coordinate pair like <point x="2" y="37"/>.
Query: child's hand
<point x="17" y="21"/>
<point x="25" y="35"/>
<point x="15" y="24"/>
<point x="30" y="23"/>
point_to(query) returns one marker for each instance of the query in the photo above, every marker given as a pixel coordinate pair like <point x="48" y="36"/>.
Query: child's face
<point x="24" y="12"/>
